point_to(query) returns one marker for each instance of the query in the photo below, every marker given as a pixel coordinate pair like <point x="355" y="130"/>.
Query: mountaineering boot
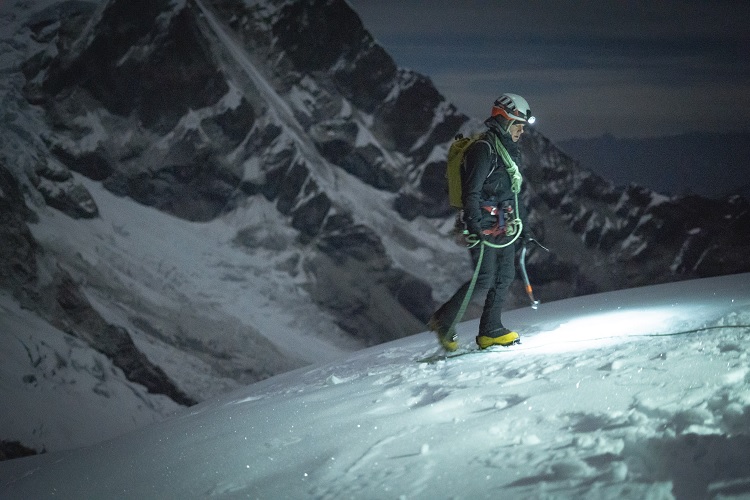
<point x="506" y="338"/>
<point x="447" y="338"/>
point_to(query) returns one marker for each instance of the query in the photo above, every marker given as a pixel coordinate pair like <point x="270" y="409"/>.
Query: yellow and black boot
<point x="506" y="338"/>
<point x="446" y="336"/>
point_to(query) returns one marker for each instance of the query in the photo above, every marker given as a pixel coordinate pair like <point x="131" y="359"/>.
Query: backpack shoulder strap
<point x="493" y="153"/>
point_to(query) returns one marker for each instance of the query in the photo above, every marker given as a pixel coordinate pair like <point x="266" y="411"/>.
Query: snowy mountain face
<point x="199" y="194"/>
<point x="626" y="235"/>
<point x="271" y="241"/>
<point x="194" y="109"/>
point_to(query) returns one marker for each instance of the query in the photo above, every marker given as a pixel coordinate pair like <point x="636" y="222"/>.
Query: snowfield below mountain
<point x="642" y="393"/>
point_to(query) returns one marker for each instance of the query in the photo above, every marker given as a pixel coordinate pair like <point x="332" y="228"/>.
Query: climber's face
<point x="515" y="131"/>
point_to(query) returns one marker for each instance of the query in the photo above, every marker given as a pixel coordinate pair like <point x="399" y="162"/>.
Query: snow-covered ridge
<point x="635" y="394"/>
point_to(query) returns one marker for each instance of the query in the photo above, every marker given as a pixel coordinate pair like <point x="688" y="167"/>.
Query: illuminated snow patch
<point x="598" y="329"/>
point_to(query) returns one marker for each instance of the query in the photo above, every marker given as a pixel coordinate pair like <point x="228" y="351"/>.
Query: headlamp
<point x="513" y="114"/>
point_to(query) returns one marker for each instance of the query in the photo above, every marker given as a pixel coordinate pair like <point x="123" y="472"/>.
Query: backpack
<point x="454" y="168"/>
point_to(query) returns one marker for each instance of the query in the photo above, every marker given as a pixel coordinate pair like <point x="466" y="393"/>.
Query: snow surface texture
<point x="639" y="393"/>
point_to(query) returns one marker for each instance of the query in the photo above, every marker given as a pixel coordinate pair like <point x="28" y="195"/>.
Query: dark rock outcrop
<point x="18" y="265"/>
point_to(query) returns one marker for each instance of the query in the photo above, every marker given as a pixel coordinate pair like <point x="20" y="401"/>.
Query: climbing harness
<point x="514" y="226"/>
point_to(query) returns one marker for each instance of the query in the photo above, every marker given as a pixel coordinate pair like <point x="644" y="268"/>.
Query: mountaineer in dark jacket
<point x="493" y="218"/>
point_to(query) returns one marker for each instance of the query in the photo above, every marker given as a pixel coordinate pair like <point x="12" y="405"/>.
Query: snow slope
<point x="640" y="393"/>
<point x="61" y="372"/>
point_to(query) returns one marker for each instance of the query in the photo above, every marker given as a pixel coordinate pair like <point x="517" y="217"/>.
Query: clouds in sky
<point x="633" y="69"/>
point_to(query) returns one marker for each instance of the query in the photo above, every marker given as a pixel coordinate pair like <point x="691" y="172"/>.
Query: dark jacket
<point x="485" y="181"/>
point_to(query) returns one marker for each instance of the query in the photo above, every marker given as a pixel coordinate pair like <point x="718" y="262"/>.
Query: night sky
<point x="629" y="68"/>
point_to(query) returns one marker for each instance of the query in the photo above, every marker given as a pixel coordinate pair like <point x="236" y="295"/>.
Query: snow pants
<point x="496" y="273"/>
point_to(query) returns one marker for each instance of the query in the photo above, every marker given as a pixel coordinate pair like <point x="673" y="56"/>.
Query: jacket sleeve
<point x="477" y="165"/>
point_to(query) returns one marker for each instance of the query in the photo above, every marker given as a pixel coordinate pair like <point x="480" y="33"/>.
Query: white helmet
<point x="513" y="107"/>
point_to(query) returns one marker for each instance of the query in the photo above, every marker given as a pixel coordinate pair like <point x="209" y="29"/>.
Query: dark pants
<point x="496" y="273"/>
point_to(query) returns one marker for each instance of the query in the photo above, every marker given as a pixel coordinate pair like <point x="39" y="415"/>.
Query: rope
<point x="671" y="334"/>
<point x="441" y="355"/>
<point x="510" y="167"/>
<point x="469" y="292"/>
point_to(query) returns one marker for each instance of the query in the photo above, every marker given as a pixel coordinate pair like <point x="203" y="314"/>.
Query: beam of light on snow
<point x="597" y="329"/>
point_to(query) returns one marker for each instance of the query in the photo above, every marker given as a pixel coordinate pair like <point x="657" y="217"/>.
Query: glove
<point x="474" y="230"/>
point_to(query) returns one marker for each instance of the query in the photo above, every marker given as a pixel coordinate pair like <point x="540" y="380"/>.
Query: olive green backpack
<point x="453" y="172"/>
